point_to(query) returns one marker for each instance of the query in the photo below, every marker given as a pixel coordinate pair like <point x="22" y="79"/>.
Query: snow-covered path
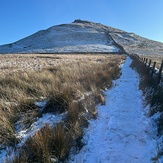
<point x="122" y="133"/>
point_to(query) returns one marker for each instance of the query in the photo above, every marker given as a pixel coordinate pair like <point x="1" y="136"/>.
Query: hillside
<point x="83" y="36"/>
<point x="133" y="43"/>
<point x="73" y="37"/>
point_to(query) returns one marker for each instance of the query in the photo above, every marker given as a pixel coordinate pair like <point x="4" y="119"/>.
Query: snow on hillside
<point x="84" y="36"/>
<point x="73" y="37"/>
<point x="133" y="43"/>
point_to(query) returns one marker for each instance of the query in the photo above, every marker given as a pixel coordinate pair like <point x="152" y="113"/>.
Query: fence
<point x="151" y="66"/>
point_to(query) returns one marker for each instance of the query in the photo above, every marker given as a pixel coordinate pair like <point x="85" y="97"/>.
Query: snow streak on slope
<point x="122" y="133"/>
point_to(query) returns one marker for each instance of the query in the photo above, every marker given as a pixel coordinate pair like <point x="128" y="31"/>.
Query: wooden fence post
<point x="141" y="59"/>
<point x="146" y="61"/>
<point x="149" y="63"/>
<point x="160" y="73"/>
<point x="153" y="69"/>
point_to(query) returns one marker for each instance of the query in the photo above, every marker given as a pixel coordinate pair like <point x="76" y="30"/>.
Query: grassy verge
<point x="152" y="90"/>
<point x="73" y="86"/>
<point x="154" y="96"/>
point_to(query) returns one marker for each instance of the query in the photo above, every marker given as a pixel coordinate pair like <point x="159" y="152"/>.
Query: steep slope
<point x="84" y="36"/>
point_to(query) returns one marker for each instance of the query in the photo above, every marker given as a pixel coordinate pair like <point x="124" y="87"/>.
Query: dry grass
<point x="47" y="144"/>
<point x="69" y="83"/>
<point x="19" y="62"/>
<point x="153" y="92"/>
<point x="143" y="71"/>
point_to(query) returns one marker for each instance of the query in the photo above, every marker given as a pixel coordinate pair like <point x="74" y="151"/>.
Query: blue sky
<point x="20" y="18"/>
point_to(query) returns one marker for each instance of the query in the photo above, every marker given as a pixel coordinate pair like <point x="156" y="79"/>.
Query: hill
<point x="84" y="36"/>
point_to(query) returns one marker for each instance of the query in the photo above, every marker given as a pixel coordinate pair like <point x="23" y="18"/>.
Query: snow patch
<point x="49" y="119"/>
<point x="25" y="134"/>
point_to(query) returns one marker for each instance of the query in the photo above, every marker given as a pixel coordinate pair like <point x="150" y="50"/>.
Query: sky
<point x="21" y="18"/>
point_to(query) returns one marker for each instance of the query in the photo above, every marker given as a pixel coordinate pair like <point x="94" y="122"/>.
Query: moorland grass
<point x="72" y="87"/>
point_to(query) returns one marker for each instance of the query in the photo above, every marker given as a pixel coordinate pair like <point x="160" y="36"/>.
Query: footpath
<point x="122" y="133"/>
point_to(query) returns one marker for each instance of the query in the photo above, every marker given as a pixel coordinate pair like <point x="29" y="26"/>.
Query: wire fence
<point x="151" y="66"/>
